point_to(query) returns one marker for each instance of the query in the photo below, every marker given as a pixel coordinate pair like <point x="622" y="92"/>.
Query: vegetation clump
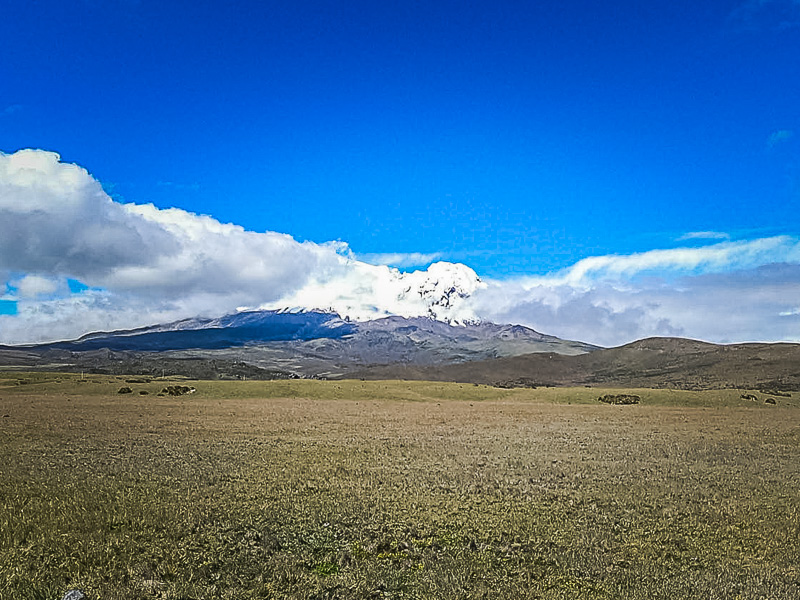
<point x="620" y="398"/>
<point x="752" y="397"/>
<point x="519" y="382"/>
<point x="177" y="390"/>
<point x="124" y="390"/>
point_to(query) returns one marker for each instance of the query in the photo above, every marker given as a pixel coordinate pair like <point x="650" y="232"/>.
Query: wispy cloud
<point x="704" y="235"/>
<point x="778" y="137"/>
<point x="400" y="260"/>
<point x="720" y="257"/>
<point x="10" y="110"/>
<point x="194" y="186"/>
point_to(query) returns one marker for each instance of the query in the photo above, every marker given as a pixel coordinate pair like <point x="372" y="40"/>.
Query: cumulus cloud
<point x="146" y="265"/>
<point x="56" y="219"/>
<point x="69" y="317"/>
<point x="744" y="293"/>
<point x="150" y="264"/>
<point x="33" y="286"/>
<point x="362" y="291"/>
<point x="604" y="315"/>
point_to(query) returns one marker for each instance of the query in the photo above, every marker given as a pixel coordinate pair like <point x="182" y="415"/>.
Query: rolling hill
<point x="653" y="362"/>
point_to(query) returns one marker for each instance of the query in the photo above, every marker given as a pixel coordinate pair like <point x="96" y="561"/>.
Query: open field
<point x="352" y="489"/>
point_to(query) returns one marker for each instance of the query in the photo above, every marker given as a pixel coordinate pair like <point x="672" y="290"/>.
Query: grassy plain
<point x="351" y="489"/>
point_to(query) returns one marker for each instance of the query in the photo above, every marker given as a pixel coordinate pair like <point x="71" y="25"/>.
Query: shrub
<point x="620" y="399"/>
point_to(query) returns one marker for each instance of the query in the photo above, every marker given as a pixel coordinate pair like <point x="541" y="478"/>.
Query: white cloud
<point x="725" y="256"/>
<point x="147" y="265"/>
<point x="33" y="286"/>
<point x="704" y="235"/>
<point x="363" y="291"/>
<point x="746" y="304"/>
<point x="56" y="222"/>
<point x="69" y="317"/>
<point x="401" y="260"/>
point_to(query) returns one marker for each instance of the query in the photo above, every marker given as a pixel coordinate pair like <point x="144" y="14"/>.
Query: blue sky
<point x="518" y="138"/>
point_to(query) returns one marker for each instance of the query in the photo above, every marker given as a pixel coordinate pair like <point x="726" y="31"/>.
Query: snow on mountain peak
<point x="441" y="289"/>
<point x="363" y="292"/>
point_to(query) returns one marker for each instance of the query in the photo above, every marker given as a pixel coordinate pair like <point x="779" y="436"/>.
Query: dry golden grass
<point x="305" y="489"/>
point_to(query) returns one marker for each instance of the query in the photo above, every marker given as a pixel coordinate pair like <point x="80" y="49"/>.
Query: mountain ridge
<point x="656" y="362"/>
<point x="270" y="344"/>
<point x="309" y="343"/>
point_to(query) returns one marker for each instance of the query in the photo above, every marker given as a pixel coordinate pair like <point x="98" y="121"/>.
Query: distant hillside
<point x="274" y="344"/>
<point x="288" y="344"/>
<point x="653" y="362"/>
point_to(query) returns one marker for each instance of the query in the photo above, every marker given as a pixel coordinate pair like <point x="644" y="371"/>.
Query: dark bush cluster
<point x="620" y="399"/>
<point x="177" y="390"/>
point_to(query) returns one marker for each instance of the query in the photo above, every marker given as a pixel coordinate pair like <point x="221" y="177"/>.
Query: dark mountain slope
<point x="230" y="331"/>
<point x="268" y="344"/>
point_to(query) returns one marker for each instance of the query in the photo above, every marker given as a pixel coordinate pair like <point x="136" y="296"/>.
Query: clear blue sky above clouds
<point x="515" y="137"/>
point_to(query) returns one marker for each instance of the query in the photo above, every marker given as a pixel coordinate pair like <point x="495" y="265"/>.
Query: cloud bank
<point x="142" y="265"/>
<point x="761" y="303"/>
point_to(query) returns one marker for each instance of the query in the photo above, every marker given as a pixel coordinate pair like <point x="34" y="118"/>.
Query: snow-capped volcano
<point x="270" y="344"/>
<point x="368" y="292"/>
